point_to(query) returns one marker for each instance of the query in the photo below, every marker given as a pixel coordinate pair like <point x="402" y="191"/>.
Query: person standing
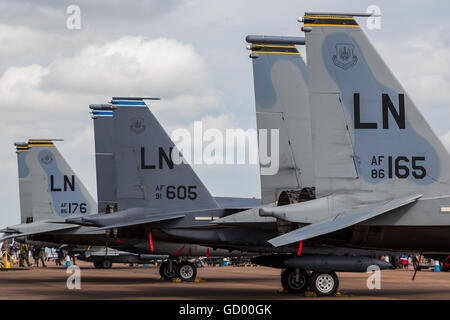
<point x="404" y="261"/>
<point x="38" y="255"/>
<point x="60" y="257"/>
<point x="35" y="254"/>
<point x="41" y="256"/>
<point x="415" y="262"/>
<point x="23" y="255"/>
<point x="71" y="255"/>
<point x="15" y="251"/>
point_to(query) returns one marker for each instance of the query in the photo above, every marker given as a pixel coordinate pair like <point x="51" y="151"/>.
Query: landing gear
<point x="168" y="270"/>
<point x="324" y="284"/>
<point x="294" y="280"/>
<point x="186" y="271"/>
<point x="106" y="264"/>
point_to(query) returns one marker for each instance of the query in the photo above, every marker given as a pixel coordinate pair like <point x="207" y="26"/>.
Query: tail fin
<point x="281" y="99"/>
<point x="57" y="192"/>
<point x="145" y="173"/>
<point x="367" y="133"/>
<point x="26" y="209"/>
<point x="104" y="159"/>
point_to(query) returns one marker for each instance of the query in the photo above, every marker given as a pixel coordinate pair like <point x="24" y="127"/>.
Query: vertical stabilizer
<point x="104" y="159"/>
<point x="281" y="102"/>
<point x="57" y="192"/>
<point x="22" y="151"/>
<point x="367" y="132"/>
<point x="145" y="173"/>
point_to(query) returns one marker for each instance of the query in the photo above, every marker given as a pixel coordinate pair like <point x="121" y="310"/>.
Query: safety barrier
<point x="245" y="265"/>
<point x="6" y="264"/>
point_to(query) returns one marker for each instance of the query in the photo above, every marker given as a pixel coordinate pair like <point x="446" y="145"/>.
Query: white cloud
<point x="49" y="75"/>
<point x="131" y="65"/>
<point x="51" y="101"/>
<point x="418" y="61"/>
<point x="126" y="66"/>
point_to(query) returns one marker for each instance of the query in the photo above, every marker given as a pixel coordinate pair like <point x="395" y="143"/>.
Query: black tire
<point x="167" y="274"/>
<point x="186" y="271"/>
<point x="97" y="265"/>
<point x="106" y="264"/>
<point x="291" y="283"/>
<point x="324" y="284"/>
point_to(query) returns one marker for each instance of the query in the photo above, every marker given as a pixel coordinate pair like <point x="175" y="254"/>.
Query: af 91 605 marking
<point x="172" y="192"/>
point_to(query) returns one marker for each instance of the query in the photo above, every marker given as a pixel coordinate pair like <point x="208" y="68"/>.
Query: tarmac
<point x="259" y="283"/>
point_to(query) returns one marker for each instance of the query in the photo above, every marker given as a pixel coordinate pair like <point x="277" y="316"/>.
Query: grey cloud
<point x="216" y="30"/>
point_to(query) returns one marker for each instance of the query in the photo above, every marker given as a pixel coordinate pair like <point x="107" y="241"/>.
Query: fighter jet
<point x="139" y="216"/>
<point x="50" y="192"/>
<point x="381" y="175"/>
<point x="375" y="155"/>
<point x="143" y="164"/>
<point x="122" y="190"/>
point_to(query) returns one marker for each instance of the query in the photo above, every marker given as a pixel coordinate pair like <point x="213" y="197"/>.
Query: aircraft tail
<point x="145" y="173"/>
<point x="26" y="209"/>
<point x="281" y="101"/>
<point x="57" y="193"/>
<point x="104" y="160"/>
<point x="367" y="133"/>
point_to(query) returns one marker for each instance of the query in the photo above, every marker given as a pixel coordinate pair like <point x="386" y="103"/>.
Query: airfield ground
<point x="123" y="282"/>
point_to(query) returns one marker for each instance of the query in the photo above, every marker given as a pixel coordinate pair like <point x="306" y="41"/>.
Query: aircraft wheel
<point x="187" y="271"/>
<point x="293" y="281"/>
<point x="166" y="272"/>
<point x="97" y="265"/>
<point x="324" y="284"/>
<point x="106" y="264"/>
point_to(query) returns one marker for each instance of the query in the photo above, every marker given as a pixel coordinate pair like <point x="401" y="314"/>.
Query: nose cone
<point x="266" y="212"/>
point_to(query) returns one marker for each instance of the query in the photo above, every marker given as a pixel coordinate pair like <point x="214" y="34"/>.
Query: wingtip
<point x="277" y="242"/>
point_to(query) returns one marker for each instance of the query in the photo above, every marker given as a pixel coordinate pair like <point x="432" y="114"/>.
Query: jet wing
<point x="341" y="221"/>
<point x="149" y="220"/>
<point x="35" y="228"/>
<point x="12" y="235"/>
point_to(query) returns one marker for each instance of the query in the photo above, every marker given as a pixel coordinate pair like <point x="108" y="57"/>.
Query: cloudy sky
<point x="191" y="54"/>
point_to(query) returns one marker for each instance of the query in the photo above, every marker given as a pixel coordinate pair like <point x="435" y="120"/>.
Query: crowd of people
<point x="22" y="253"/>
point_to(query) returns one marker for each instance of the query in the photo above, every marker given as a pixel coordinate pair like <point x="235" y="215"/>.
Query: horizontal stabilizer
<point x="341" y="221"/>
<point x="12" y="235"/>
